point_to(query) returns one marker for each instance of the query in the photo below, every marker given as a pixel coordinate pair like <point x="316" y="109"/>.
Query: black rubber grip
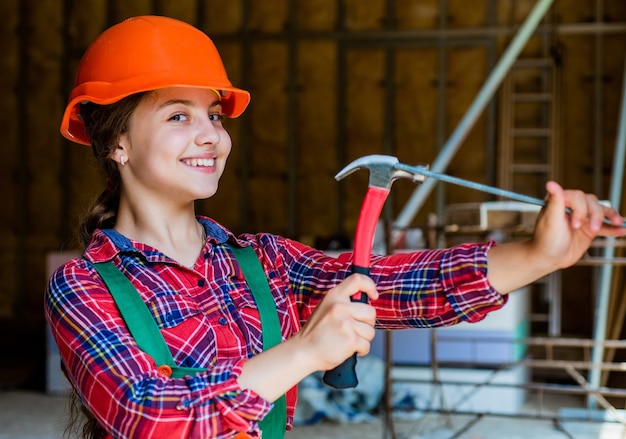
<point x="344" y="375"/>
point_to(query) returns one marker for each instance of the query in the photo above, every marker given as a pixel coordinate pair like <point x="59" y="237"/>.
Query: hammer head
<point x="382" y="170"/>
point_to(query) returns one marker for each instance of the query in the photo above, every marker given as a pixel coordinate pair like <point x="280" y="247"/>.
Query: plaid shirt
<point x="208" y="318"/>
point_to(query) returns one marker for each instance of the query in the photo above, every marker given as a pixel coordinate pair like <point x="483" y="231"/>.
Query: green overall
<point x="150" y="340"/>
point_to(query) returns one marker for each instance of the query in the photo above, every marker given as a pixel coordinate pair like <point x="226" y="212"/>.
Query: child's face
<point x="176" y="145"/>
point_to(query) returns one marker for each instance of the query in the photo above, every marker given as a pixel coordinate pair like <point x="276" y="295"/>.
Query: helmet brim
<point x="234" y="103"/>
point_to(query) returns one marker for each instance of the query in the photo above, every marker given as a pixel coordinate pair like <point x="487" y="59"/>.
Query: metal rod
<point x="478" y="186"/>
<point x="606" y="272"/>
<point x="470" y="184"/>
<point x="486" y="93"/>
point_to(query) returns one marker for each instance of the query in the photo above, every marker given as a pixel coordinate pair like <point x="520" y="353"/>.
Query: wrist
<point x="516" y="264"/>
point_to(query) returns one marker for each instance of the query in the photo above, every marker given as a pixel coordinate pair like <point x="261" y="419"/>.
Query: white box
<point x="492" y="341"/>
<point x="491" y="215"/>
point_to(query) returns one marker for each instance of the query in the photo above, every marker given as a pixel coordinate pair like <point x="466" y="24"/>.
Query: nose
<point x="208" y="132"/>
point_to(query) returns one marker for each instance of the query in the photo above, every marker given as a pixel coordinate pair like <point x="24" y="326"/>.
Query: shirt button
<point x="207" y="255"/>
<point x="164" y="370"/>
<point x="201" y="283"/>
<point x="223" y="320"/>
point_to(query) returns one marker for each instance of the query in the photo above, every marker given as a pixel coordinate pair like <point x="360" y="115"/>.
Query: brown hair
<point x="104" y="125"/>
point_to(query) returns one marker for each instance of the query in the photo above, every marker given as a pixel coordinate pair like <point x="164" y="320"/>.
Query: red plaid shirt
<point x="208" y="318"/>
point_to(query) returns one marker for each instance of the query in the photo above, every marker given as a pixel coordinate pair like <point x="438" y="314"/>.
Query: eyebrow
<point x="186" y="102"/>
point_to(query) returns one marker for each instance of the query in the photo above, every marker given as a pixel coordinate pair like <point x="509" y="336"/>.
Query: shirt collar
<point x="105" y="244"/>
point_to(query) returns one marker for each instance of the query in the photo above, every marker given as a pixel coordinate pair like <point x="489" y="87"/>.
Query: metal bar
<point x="442" y="108"/>
<point x="495" y="79"/>
<point x="544" y="417"/>
<point x="566" y="389"/>
<point x="469" y="184"/>
<point x="599" y="261"/>
<point x="477" y="186"/>
<point x="597" y="395"/>
<point x="389" y="429"/>
<point x="606" y="273"/>
<point x="543" y="341"/>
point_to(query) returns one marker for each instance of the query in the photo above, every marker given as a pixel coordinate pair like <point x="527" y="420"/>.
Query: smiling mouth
<point x="205" y="163"/>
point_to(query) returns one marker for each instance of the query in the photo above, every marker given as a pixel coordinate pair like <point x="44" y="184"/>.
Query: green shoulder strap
<point x="137" y="317"/>
<point x="273" y="425"/>
<point x="150" y="340"/>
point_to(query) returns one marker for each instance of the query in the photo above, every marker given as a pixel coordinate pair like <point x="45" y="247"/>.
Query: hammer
<point x="383" y="173"/>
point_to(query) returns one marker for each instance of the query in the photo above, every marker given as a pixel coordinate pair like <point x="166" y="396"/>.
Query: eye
<point x="179" y="117"/>
<point x="216" y="117"/>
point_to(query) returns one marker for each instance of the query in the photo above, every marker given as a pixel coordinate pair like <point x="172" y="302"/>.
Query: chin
<point x="207" y="194"/>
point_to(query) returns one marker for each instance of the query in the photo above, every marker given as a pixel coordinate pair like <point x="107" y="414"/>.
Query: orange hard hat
<point x="147" y="53"/>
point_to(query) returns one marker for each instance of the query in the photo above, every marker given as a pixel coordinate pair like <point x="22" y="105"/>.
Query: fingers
<point x="585" y="210"/>
<point x="365" y="334"/>
<point x="614" y="217"/>
<point x="339" y="327"/>
<point x="344" y="310"/>
<point x="579" y="206"/>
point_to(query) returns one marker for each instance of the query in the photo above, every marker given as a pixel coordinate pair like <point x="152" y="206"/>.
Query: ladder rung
<point x="532" y="132"/>
<point x="532" y="97"/>
<point x="540" y="317"/>
<point x="530" y="168"/>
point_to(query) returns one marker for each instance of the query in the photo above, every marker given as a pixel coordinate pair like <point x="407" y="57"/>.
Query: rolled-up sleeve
<point x="421" y="289"/>
<point x="435" y="288"/>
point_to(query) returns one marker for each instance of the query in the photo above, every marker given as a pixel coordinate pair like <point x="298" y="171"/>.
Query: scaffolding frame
<point x="597" y="363"/>
<point x="572" y="368"/>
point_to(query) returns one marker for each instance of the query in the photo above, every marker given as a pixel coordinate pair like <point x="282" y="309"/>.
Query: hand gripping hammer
<point x="383" y="173"/>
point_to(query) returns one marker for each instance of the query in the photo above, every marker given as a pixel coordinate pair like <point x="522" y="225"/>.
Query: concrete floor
<point x="32" y="415"/>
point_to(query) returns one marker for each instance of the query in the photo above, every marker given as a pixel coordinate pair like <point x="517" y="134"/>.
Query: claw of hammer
<point x="382" y="169"/>
<point x="383" y="173"/>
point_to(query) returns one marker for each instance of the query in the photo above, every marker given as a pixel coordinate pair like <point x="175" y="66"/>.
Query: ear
<point x="120" y="152"/>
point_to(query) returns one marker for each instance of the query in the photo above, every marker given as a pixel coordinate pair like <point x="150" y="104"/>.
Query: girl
<point x="150" y="96"/>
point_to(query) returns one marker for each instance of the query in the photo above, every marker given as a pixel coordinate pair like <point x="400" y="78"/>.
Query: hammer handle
<point x="344" y="375"/>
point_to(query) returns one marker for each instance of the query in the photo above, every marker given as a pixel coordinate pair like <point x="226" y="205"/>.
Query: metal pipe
<point x="606" y="273"/>
<point x="421" y="170"/>
<point x="442" y="105"/>
<point x="489" y="88"/>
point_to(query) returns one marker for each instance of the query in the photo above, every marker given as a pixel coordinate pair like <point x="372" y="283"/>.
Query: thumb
<point x="360" y="283"/>
<point x="556" y="194"/>
<point x="556" y="203"/>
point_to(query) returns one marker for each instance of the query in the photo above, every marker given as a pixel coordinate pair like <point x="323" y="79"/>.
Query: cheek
<point x="225" y="144"/>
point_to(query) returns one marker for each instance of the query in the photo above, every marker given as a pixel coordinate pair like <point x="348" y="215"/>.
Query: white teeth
<point x="200" y="162"/>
